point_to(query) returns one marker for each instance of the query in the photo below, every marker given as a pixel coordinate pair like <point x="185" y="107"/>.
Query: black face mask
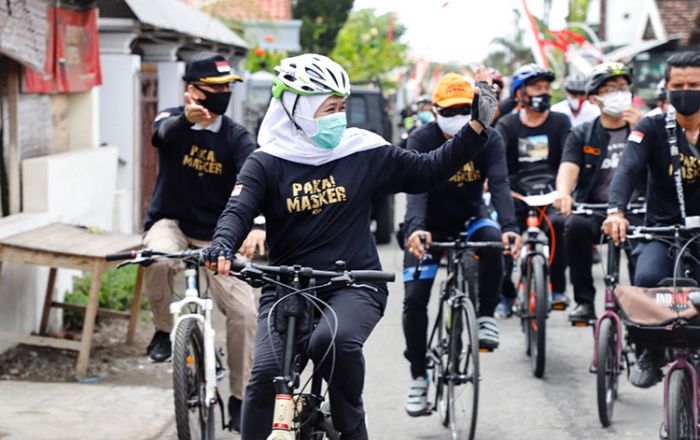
<point x="686" y="102"/>
<point x="215" y="102"/>
<point x="539" y="103"/>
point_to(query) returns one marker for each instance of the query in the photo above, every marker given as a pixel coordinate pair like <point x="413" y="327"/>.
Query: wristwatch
<point x="614" y="210"/>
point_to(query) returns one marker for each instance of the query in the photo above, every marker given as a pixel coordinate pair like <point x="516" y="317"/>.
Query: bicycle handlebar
<point x="356" y="275"/>
<point x="602" y="208"/>
<point x="121" y="256"/>
<point x="459" y="244"/>
<point x="142" y="255"/>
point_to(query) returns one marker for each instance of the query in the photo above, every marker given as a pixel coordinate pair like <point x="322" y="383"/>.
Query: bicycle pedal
<point x="485" y="350"/>
<point x="582" y="323"/>
<point x="559" y="307"/>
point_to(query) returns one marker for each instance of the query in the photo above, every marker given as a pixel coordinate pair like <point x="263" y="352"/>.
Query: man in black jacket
<point x="200" y="153"/>
<point x="648" y="153"/>
<point x="591" y="156"/>
<point x="441" y="215"/>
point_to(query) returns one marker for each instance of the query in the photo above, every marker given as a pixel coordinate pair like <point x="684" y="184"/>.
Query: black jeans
<point x="581" y="234"/>
<point x="417" y="293"/>
<point x="358" y="311"/>
<point x="559" y="263"/>
<point x="654" y="263"/>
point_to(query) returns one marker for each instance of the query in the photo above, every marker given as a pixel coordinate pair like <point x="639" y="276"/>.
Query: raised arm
<point x="400" y="170"/>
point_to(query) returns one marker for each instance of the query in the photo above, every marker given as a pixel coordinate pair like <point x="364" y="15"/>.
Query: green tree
<point x="321" y="22"/>
<point x="364" y="48"/>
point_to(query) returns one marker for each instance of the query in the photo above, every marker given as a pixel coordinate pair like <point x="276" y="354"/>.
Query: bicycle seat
<point x="679" y="282"/>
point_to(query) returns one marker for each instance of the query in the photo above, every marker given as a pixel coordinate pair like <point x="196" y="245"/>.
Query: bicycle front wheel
<point x="680" y="407"/>
<point x="463" y="372"/>
<point x="607" y="371"/>
<point x="538" y="322"/>
<point x="193" y="418"/>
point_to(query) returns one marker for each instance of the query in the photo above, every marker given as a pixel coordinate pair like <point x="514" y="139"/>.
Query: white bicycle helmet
<point x="310" y="74"/>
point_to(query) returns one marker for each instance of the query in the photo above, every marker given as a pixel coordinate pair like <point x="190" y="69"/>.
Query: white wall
<point x="75" y="187"/>
<point x="120" y="122"/>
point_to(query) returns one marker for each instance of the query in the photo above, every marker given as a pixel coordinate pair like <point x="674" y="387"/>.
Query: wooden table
<point x="71" y="247"/>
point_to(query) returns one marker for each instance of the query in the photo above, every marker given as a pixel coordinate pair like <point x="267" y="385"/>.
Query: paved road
<point x="513" y="403"/>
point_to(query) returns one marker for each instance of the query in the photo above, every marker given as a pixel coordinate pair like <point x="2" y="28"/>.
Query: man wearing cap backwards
<point x="534" y="138"/>
<point x="200" y="153"/>
<point x="591" y="156"/>
<point x="441" y="215"/>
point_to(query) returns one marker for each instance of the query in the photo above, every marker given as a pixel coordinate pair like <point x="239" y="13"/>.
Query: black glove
<point x="212" y="253"/>
<point x="484" y="104"/>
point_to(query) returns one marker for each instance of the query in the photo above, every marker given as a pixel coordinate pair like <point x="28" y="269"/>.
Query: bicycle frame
<point x="611" y="280"/>
<point x="202" y="314"/>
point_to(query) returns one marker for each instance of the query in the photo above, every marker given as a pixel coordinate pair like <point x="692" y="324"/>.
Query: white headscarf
<point x="278" y="136"/>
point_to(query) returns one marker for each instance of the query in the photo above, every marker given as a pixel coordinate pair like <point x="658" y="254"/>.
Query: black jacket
<point x="448" y="207"/>
<point x="587" y="147"/>
<point x="647" y="153"/>
<point x="197" y="170"/>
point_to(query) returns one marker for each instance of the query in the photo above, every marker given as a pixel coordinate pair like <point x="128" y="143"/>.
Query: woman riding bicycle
<point x="313" y="179"/>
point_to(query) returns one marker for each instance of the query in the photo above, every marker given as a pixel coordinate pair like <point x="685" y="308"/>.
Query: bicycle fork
<point x="206" y="305"/>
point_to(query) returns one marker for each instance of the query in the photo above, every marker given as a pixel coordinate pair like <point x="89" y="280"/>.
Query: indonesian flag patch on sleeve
<point x="237" y="188"/>
<point x="223" y="67"/>
<point x="636" y="136"/>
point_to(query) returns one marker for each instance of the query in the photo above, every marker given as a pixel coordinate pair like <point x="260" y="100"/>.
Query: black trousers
<point x="417" y="293"/>
<point x="581" y="234"/>
<point x="654" y="263"/>
<point x="358" y="311"/>
<point x="559" y="263"/>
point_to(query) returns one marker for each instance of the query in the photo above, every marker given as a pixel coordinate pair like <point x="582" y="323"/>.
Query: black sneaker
<point x="583" y="312"/>
<point x="234" y="413"/>
<point x="159" y="350"/>
<point x="646" y="372"/>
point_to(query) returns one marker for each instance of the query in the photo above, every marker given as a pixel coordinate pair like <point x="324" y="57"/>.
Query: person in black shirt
<point x="313" y="179"/>
<point x="200" y="153"/>
<point x="648" y="154"/>
<point x="534" y="139"/>
<point x="591" y="156"/>
<point x="441" y="215"/>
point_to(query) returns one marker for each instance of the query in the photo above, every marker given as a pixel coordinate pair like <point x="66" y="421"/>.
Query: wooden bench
<point x="72" y="247"/>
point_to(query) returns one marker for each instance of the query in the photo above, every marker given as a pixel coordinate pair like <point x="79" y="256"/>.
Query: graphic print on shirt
<point x="533" y="148"/>
<point x="467" y="174"/>
<point x="315" y="194"/>
<point x="202" y="160"/>
<point x="690" y="168"/>
<point x="612" y="160"/>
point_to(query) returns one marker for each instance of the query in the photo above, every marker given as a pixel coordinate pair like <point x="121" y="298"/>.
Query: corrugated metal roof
<point x="177" y="16"/>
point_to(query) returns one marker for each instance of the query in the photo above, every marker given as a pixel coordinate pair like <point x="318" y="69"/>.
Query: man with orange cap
<point x="444" y="213"/>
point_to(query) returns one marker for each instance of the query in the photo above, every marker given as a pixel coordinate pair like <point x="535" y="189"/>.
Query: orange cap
<point x="451" y="90"/>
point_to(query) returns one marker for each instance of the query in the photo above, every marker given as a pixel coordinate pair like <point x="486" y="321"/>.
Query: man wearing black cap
<point x="200" y="152"/>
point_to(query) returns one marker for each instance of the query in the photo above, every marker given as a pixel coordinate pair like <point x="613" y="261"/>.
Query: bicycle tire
<point x="193" y="419"/>
<point x="680" y="410"/>
<point x="538" y="323"/>
<point x="463" y="373"/>
<point x="607" y="371"/>
<point x="523" y="309"/>
<point x="471" y="277"/>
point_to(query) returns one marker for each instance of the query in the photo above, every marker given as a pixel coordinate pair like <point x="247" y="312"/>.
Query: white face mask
<point x="575" y="104"/>
<point x="616" y="103"/>
<point x="451" y="126"/>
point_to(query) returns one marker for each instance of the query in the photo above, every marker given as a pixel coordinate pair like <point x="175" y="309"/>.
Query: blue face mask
<point x="330" y="130"/>
<point x="426" y="117"/>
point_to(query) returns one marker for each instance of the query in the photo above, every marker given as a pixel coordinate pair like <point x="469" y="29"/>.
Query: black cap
<point x="209" y="68"/>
